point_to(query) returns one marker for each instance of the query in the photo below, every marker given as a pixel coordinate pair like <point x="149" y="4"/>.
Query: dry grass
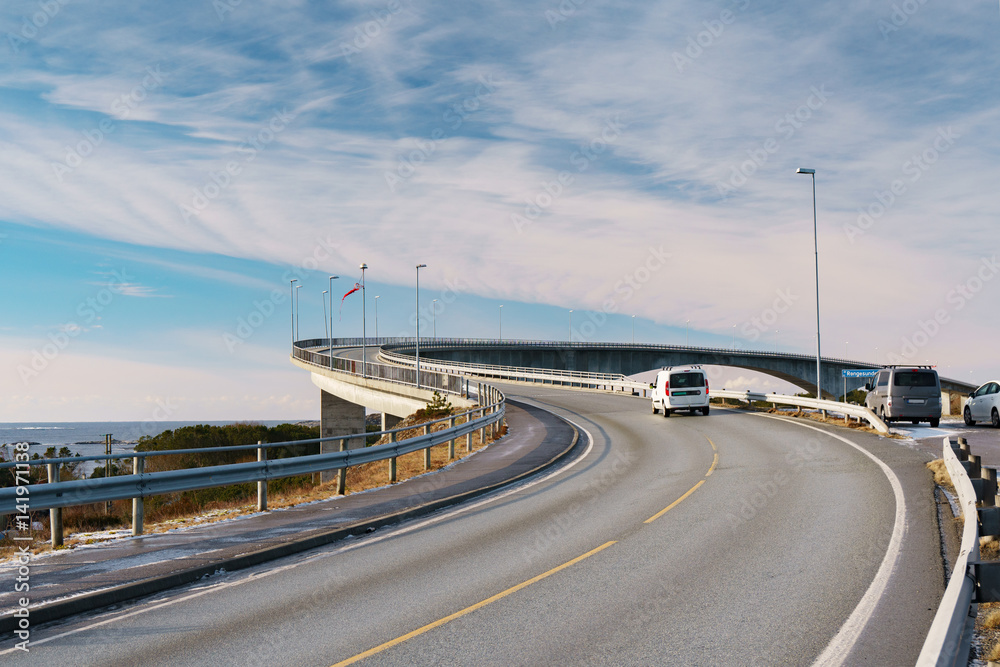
<point x="941" y="476"/>
<point x="989" y="549"/>
<point x="87" y="519"/>
<point x="815" y="416"/>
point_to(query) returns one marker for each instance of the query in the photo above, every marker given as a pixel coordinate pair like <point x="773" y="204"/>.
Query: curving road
<point x="729" y="539"/>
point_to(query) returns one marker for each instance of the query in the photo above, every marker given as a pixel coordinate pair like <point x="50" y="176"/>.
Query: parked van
<point x="900" y="393"/>
<point x="680" y="388"/>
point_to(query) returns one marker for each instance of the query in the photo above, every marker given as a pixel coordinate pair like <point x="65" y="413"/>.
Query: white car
<point x="681" y="388"/>
<point x="983" y="405"/>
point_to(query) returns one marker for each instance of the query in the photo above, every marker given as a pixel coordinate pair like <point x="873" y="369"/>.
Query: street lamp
<point x="776" y="332"/>
<point x="501" y="322"/>
<point x="570" y="326"/>
<point x="734" y="338"/>
<point x="291" y="304"/>
<point x="325" y="292"/>
<point x="376" y="316"/>
<point x="687" y="333"/>
<point x="812" y="173"/>
<point x="364" y="322"/>
<point x="332" y="278"/>
<point x="419" y="266"/>
<point x="633" y="329"/>
<point x="297" y="288"/>
<point x="434" y="317"/>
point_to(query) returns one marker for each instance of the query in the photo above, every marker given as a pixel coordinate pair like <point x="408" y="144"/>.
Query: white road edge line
<point x="843" y="642"/>
<point x="367" y="541"/>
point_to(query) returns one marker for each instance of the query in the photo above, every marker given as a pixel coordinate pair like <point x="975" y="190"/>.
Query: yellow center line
<point x="715" y="462"/>
<point x="468" y="610"/>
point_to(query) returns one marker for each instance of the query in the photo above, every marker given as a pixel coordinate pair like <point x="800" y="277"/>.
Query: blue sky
<point x="163" y="172"/>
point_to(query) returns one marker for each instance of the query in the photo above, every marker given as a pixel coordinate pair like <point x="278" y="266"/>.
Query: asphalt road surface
<point x="731" y="539"/>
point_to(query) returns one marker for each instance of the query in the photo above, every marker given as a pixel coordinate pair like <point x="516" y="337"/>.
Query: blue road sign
<point x="859" y="372"/>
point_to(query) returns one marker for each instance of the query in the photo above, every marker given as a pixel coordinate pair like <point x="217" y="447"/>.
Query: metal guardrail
<point x="859" y="411"/>
<point x="86" y="491"/>
<point x="950" y="636"/>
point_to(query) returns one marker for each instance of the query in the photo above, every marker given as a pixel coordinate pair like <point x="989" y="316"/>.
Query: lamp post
<point x="570" y="339"/>
<point x="376" y="316"/>
<point x="812" y="173"/>
<point x="291" y="304"/>
<point x="419" y="266"/>
<point x="734" y="338"/>
<point x="776" y="332"/>
<point x="501" y="323"/>
<point x="434" y="317"/>
<point x="297" y="288"/>
<point x="687" y="333"/>
<point x="325" y="292"/>
<point x="364" y="322"/>
<point x="332" y="278"/>
<point x="633" y="329"/>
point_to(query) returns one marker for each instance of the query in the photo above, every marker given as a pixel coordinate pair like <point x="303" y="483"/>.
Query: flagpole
<point x="364" y="322"/>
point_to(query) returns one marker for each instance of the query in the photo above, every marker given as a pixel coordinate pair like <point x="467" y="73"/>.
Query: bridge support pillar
<point x="390" y="421"/>
<point x="339" y="417"/>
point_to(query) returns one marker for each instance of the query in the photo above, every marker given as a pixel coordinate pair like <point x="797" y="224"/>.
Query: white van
<point x="680" y="388"/>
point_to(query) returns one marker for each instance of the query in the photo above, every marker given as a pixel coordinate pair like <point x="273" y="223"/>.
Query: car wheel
<point x="995" y="418"/>
<point x="654" y="409"/>
<point x="704" y="411"/>
<point x="881" y="415"/>
<point x="935" y="422"/>
<point x="968" y="417"/>
<point x="914" y="421"/>
<point x="666" y="413"/>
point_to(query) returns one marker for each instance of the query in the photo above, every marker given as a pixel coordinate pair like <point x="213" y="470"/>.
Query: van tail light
<point x="706" y="386"/>
<point x="666" y="384"/>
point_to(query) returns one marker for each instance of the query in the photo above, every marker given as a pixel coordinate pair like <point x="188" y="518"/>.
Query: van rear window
<point x="687" y="380"/>
<point x="918" y="379"/>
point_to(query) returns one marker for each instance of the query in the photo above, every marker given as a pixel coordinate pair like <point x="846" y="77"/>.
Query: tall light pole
<point x="434" y="317"/>
<point x="419" y="266"/>
<point x="570" y="326"/>
<point x="325" y="292"/>
<point x="332" y="278"/>
<point x="633" y="329"/>
<point x="297" y="288"/>
<point x="687" y="333"/>
<point x="501" y="322"/>
<point x="291" y="304"/>
<point x="812" y="173"/>
<point x="776" y="332"/>
<point x="376" y="316"/>
<point x="364" y="322"/>
<point x="734" y="338"/>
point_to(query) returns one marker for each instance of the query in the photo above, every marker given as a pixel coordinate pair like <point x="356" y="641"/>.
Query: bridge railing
<point x="441" y="381"/>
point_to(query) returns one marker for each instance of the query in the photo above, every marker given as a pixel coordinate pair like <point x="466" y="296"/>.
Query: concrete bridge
<point x="797" y="369"/>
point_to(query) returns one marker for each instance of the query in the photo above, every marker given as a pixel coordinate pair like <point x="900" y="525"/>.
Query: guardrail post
<point x="482" y="431"/>
<point x="990" y="486"/>
<point x="451" y="443"/>
<point x="976" y="469"/>
<point x="392" y="461"/>
<point x="138" y="467"/>
<point x="427" y="450"/>
<point x="261" y="484"/>
<point x="342" y="472"/>
<point x="55" y="515"/>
